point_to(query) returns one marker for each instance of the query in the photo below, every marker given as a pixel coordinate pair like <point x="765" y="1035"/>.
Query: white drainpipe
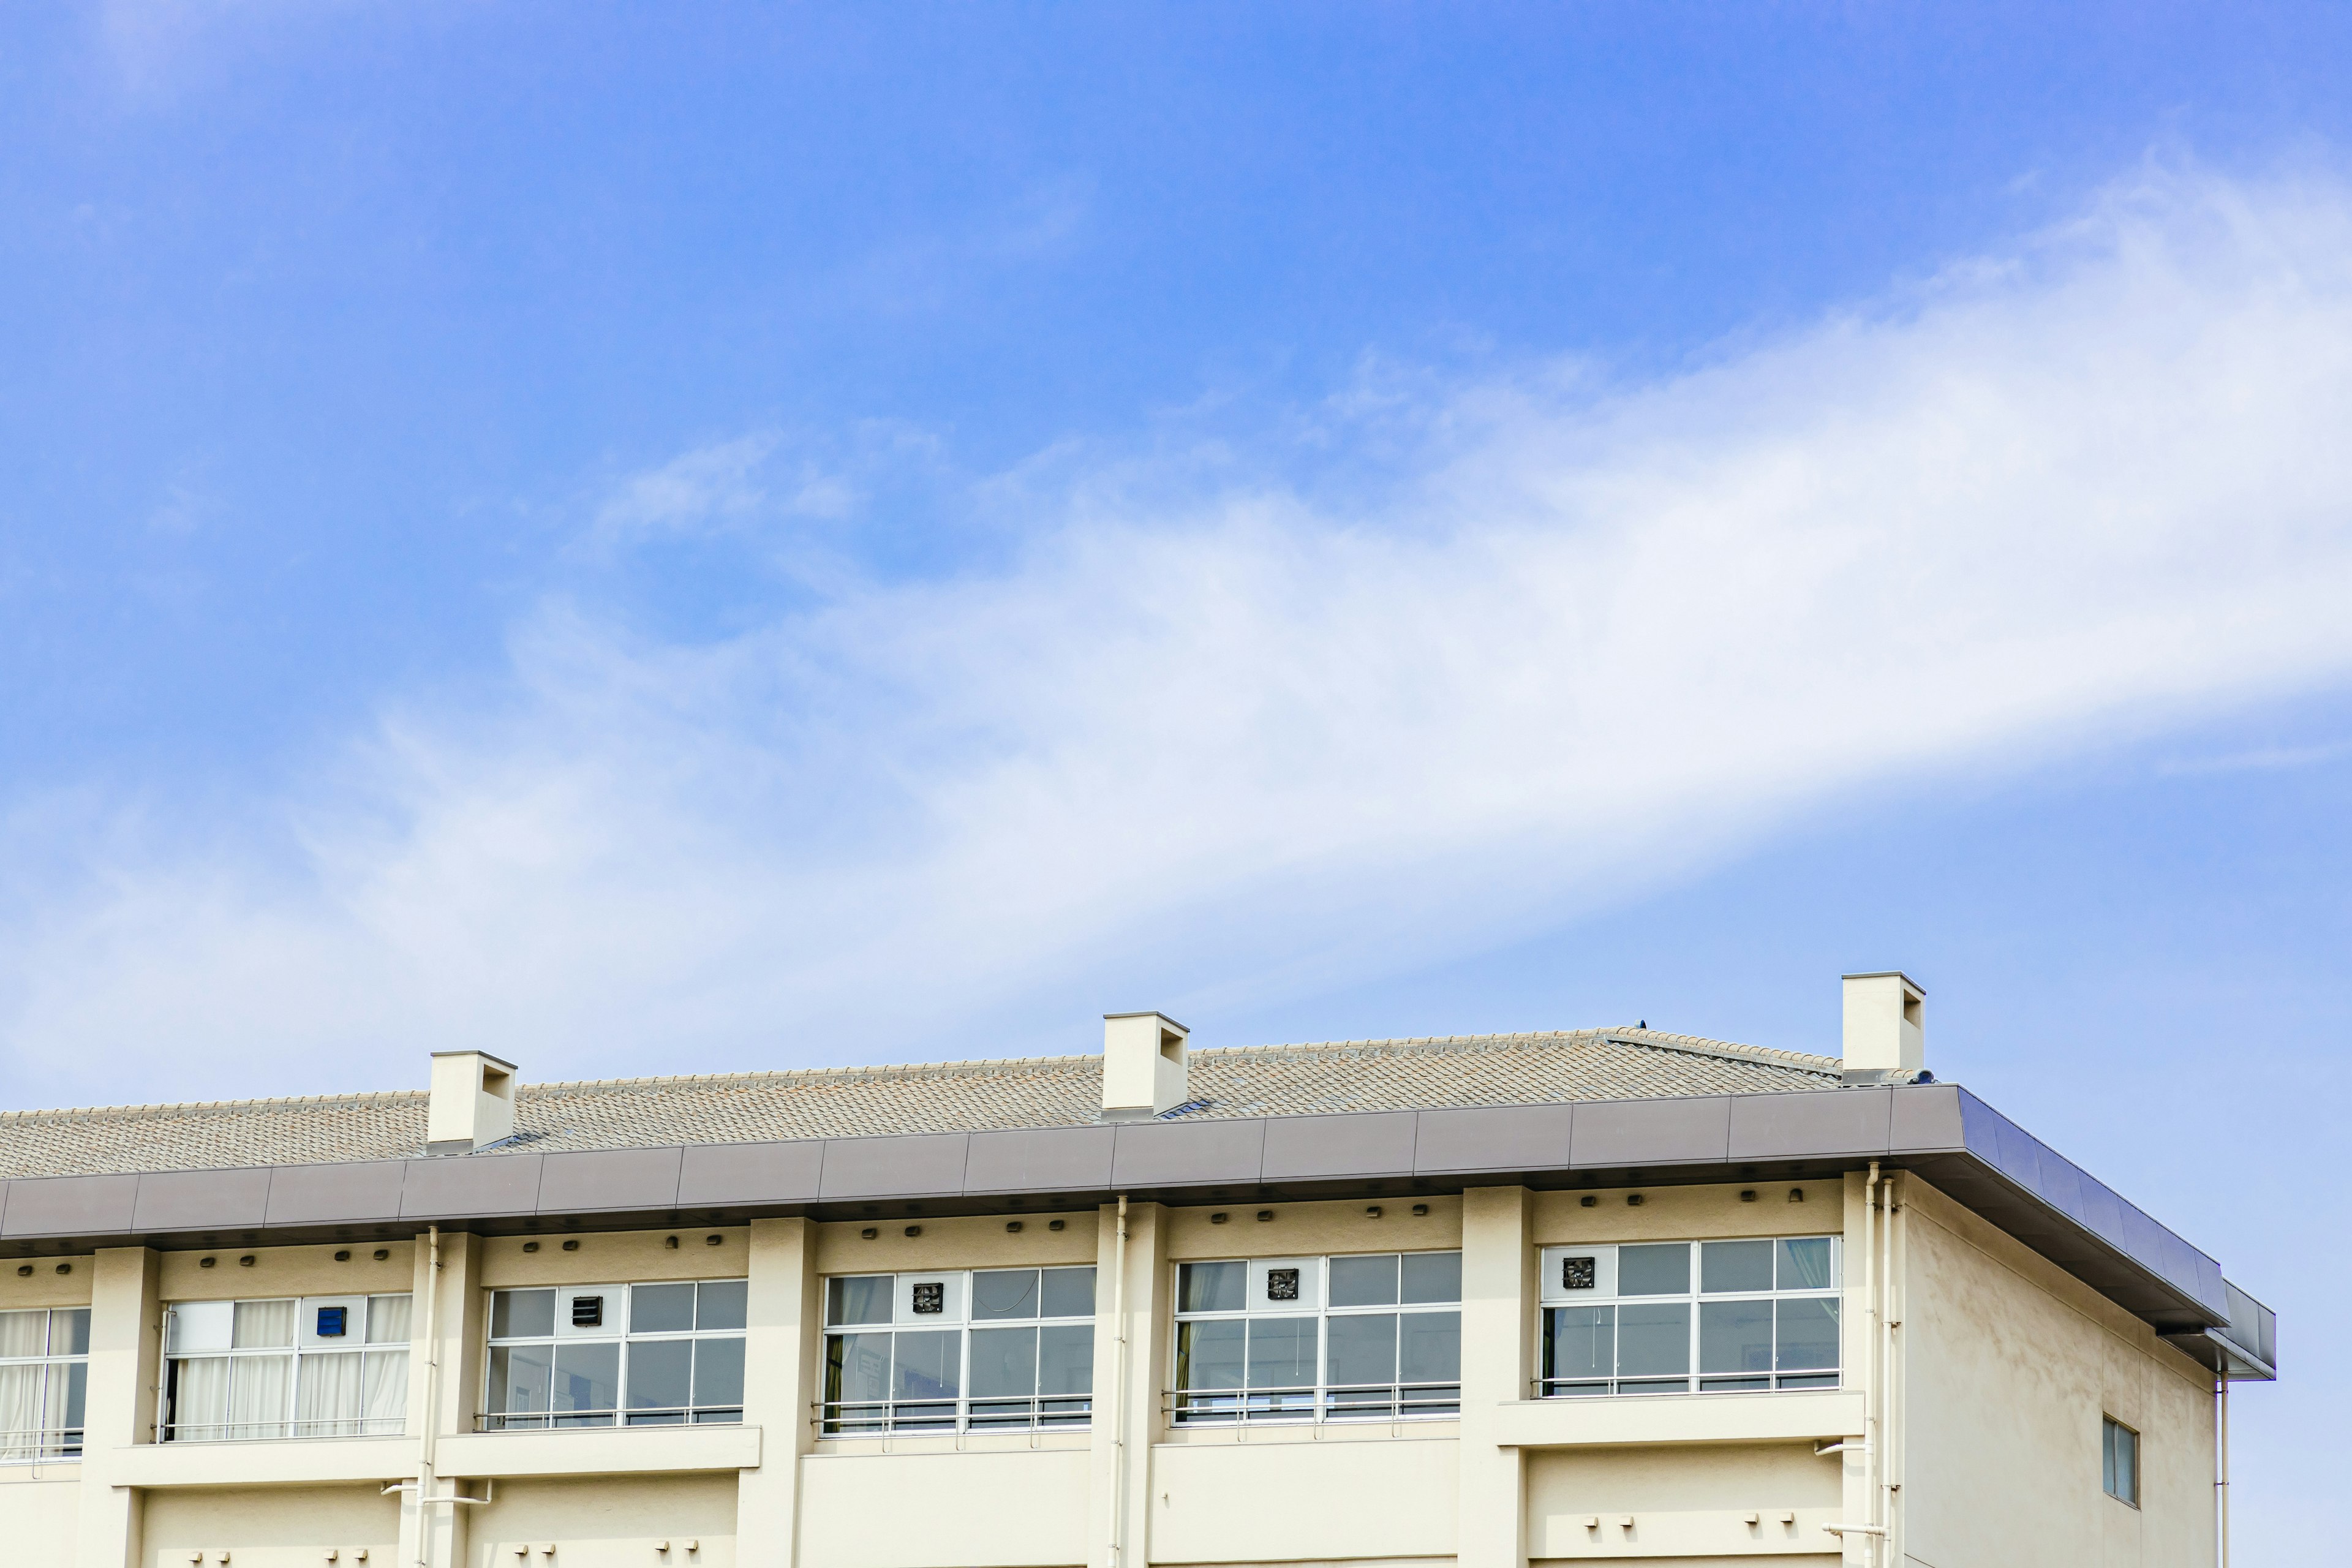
<point x="1118" y="1412"/>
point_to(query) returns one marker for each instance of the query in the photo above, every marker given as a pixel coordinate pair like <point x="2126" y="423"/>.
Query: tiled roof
<point x="947" y="1097"/>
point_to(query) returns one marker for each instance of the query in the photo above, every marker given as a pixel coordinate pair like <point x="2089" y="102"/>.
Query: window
<point x="313" y="1367"/>
<point x="1663" y="1317"/>
<point x="603" y="1355"/>
<point x="991" y="1349"/>
<point x="2119" y="1461"/>
<point x="44" y="1372"/>
<point x="1313" y="1338"/>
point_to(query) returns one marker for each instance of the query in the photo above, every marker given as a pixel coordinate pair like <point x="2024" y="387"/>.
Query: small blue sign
<point x="330" y="1322"/>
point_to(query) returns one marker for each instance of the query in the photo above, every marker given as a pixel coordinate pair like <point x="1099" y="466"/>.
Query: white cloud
<point x="1179" y="754"/>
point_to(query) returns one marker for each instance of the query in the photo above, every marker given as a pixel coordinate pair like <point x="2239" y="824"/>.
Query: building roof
<point x="948" y="1096"/>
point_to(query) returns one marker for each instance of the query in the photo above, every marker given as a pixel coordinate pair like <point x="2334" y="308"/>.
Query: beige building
<point x="1600" y="1297"/>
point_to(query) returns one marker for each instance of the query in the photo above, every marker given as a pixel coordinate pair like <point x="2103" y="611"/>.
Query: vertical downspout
<point x="1886" y="1372"/>
<point x="1870" y="1426"/>
<point x="1118" y="1412"/>
<point x="2223" y="1485"/>
<point x="432" y="1401"/>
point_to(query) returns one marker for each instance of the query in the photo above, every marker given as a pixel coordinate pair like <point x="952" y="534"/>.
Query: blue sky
<point x="812" y="535"/>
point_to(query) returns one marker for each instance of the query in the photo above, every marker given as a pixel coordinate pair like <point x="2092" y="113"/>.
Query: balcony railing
<point x="29" y="1446"/>
<point x="878" y="1419"/>
<point x="657" y="1415"/>
<point x="1330" y="1402"/>
<point x="263" y="1431"/>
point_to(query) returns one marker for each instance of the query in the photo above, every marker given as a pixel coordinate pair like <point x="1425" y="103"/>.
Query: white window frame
<point x="48" y="1440"/>
<point x="620" y="1333"/>
<point x="1555" y="1294"/>
<point x="965" y="1412"/>
<point x="305" y="1351"/>
<point x="1323" y="1401"/>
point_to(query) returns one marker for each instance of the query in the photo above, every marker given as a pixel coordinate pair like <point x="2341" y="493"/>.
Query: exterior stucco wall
<point x="278" y="1528"/>
<point x="2008" y="1365"/>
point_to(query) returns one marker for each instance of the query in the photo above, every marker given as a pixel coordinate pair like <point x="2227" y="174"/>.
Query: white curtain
<point x="327" y="1400"/>
<point x="24" y="1333"/>
<point x="385" y="1398"/>
<point x="200" y="1404"/>
<point x="387" y="1322"/>
<point x="264" y="1325"/>
<point x="257" y="1394"/>
<point x="20" y="1408"/>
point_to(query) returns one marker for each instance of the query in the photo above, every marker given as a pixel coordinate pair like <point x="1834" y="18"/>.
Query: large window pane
<point x="1004" y="1293"/>
<point x="24" y="1333"/>
<point x="1654" y="1337"/>
<point x="1209" y="1354"/>
<point x="1432" y="1276"/>
<point x="523" y="1314"/>
<point x="21" y="1398"/>
<point x="66" y="1412"/>
<point x="1581" y="1343"/>
<point x="1003" y="1363"/>
<point x="384" y="1402"/>
<point x="327" y="1396"/>
<point x="587" y="1378"/>
<point x="719" y="1303"/>
<point x="1065" y="1359"/>
<point x="1069" y="1292"/>
<point x="200" y="1397"/>
<point x="1431" y="1347"/>
<point x="928" y="1365"/>
<point x="1282" y="1353"/>
<point x="1735" y="1338"/>
<point x="1806" y="1263"/>
<point x="264" y="1325"/>
<point x="661" y="1373"/>
<point x="857" y="1368"/>
<point x="861" y="1298"/>
<point x="1654" y="1270"/>
<point x="661" y="1309"/>
<point x="70" y="1331"/>
<point x="718" y="1374"/>
<point x="387" y="1320"/>
<point x="1808" y="1334"/>
<point x="1364" y="1281"/>
<point x="1361" y="1349"/>
<point x="261" y="1388"/>
<point x="520" y="1378"/>
<point x="1727" y="1266"/>
<point x="1212" y="1287"/>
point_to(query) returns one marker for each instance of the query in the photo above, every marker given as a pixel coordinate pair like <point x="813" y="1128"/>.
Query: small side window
<point x="2119" y="1461"/>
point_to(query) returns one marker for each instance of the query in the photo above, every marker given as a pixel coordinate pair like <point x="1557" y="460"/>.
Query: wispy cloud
<point x="1202" y="749"/>
<point x="2258" y="759"/>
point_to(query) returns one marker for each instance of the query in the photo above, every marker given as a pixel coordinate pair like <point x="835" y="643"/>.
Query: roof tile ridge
<point x="158" y="1108"/>
<point x="1774" y="1055"/>
<point x="1411" y="1042"/>
<point x="749" y="1075"/>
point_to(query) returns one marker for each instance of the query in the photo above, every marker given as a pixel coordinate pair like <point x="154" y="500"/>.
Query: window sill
<point x="602" y="1450"/>
<point x="1827" y="1414"/>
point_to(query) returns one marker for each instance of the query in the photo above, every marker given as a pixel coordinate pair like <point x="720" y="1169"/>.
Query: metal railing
<point x="31" y="1446"/>
<point x="1330" y="1402"/>
<point x="882" y="1417"/>
<point x="1740" y="1383"/>
<point x="657" y="1416"/>
<point x="262" y="1431"/>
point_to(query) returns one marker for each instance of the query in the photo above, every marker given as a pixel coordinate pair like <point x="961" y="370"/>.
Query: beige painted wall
<point x="286" y="1271"/>
<point x="606" y="1523"/>
<point x="41" y="1505"/>
<point x="1683" y="1501"/>
<point x="277" y="1528"/>
<point x="1284" y="1496"/>
<point x="43" y="1286"/>
<point x="1021" y="1509"/>
<point x="2008" y="1366"/>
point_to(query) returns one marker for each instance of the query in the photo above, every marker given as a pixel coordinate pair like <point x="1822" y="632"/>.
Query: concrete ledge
<point x="289" y="1461"/>
<point x="1829" y="1415"/>
<point x="599" y="1451"/>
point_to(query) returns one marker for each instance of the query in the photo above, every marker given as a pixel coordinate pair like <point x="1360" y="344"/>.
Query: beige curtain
<point x="257" y="1391"/>
<point x="20" y="1408"/>
<point x="24" y="1333"/>
<point x="264" y="1326"/>
<point x="327" y="1399"/>
<point x="200" y="1408"/>
<point x="387" y="1322"/>
<point x="384" y="1399"/>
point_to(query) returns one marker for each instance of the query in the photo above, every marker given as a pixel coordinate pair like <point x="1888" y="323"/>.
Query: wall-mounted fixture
<point x="1013" y="1226"/>
<point x="1633" y="1200"/>
<point x="870" y="1233"/>
<point x="1265" y="1214"/>
<point x="1419" y="1211"/>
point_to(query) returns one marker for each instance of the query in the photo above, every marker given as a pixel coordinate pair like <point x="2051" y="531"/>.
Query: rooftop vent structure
<point x="1144" y="1070"/>
<point x="472" y="1102"/>
<point x="1885" y="1029"/>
